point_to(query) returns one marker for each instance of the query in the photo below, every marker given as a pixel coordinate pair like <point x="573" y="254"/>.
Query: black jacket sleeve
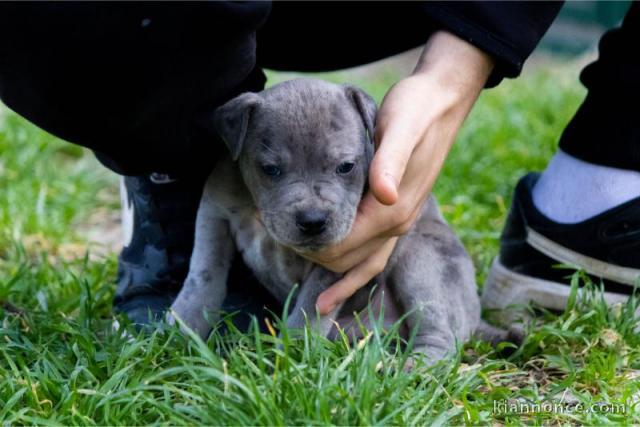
<point x="508" y="31"/>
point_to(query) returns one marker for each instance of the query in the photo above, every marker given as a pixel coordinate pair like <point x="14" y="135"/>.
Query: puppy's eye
<point x="345" y="167"/>
<point x="271" y="170"/>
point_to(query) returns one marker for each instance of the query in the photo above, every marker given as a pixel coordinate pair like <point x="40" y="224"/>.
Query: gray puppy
<point x="300" y="153"/>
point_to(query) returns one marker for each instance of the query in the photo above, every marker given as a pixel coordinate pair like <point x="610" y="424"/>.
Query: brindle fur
<point x="309" y="127"/>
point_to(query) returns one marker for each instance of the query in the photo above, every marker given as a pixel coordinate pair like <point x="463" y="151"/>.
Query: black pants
<point x="606" y="128"/>
<point x="135" y="82"/>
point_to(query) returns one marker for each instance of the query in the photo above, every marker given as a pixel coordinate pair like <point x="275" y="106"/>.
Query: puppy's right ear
<point x="231" y="121"/>
<point x="365" y="105"/>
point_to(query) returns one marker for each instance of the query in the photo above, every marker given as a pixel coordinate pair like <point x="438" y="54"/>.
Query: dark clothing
<point x="130" y="80"/>
<point x="127" y="79"/>
<point x="348" y="35"/>
<point x="508" y="31"/>
<point x="606" y="129"/>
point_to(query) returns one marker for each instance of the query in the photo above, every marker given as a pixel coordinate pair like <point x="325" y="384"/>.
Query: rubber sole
<point x="509" y="294"/>
<point x="596" y="267"/>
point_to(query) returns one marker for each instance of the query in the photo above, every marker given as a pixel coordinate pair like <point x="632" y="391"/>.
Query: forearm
<point x="508" y="31"/>
<point x="415" y="129"/>
<point x="428" y="107"/>
<point x="454" y="66"/>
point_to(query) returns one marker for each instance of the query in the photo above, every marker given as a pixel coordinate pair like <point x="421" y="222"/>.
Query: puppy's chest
<point x="275" y="266"/>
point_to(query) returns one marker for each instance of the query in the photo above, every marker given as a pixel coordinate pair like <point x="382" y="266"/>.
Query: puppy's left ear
<point x="365" y="105"/>
<point x="231" y="121"/>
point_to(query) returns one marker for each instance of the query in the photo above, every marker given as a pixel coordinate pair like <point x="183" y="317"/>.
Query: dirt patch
<point x="102" y="233"/>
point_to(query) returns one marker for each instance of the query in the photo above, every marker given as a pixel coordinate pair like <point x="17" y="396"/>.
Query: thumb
<point x="389" y="164"/>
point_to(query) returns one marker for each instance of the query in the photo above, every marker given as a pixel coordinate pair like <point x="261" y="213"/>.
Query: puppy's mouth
<point x="307" y="244"/>
<point x="300" y="243"/>
<point x="310" y="245"/>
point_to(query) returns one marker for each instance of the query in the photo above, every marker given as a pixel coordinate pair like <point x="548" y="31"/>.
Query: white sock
<point x="571" y="190"/>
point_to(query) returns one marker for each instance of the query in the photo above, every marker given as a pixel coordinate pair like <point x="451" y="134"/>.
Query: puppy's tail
<point x="495" y="335"/>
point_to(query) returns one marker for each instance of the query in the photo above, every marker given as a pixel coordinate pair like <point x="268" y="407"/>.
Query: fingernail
<point x="327" y="309"/>
<point x="391" y="179"/>
<point x="330" y="309"/>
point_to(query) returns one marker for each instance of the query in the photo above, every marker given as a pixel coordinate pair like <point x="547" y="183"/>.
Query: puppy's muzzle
<point x="312" y="222"/>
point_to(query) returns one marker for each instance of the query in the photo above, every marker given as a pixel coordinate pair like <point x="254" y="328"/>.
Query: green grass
<point x="61" y="362"/>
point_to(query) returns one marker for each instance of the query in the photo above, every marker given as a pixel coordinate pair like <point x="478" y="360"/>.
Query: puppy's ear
<point x="231" y="121"/>
<point x="365" y="105"/>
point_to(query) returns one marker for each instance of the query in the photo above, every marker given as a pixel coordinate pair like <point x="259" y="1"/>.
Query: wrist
<point x="456" y="65"/>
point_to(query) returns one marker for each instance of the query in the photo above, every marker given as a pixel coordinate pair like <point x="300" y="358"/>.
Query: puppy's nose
<point x="312" y="222"/>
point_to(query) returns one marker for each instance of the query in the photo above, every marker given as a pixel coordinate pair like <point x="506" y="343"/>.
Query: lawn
<point x="62" y="363"/>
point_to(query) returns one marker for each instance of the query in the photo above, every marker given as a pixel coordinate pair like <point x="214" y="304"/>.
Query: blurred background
<point x="580" y="24"/>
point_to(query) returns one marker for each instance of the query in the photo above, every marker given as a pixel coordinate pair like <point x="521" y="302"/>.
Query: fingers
<point x="388" y="167"/>
<point x="370" y="222"/>
<point x="402" y="119"/>
<point x="373" y="227"/>
<point x="339" y="262"/>
<point x="356" y="278"/>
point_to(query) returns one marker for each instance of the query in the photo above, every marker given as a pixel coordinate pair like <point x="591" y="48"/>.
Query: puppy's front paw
<point x="170" y="318"/>
<point x="188" y="318"/>
<point x="429" y="356"/>
<point x="297" y="320"/>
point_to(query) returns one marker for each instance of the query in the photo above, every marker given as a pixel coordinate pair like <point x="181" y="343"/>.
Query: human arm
<point x="416" y="126"/>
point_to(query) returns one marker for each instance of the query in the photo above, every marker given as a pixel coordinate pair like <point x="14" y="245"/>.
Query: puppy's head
<point x="303" y="148"/>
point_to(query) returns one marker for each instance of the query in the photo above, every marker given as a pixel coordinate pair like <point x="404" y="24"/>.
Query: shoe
<point x="606" y="247"/>
<point x="159" y="214"/>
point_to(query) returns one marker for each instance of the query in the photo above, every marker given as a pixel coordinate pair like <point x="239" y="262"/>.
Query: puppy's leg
<point x="428" y="313"/>
<point x="205" y="288"/>
<point x="318" y="281"/>
<point x="440" y="295"/>
<point x="433" y="278"/>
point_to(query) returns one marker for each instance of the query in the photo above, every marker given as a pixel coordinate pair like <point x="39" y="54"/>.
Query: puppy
<point x="297" y="169"/>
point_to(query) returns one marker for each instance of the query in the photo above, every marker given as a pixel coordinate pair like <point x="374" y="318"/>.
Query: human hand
<point x="415" y="129"/>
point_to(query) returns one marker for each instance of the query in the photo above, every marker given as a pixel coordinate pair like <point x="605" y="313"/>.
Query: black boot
<point x="159" y="214"/>
<point x="159" y="218"/>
